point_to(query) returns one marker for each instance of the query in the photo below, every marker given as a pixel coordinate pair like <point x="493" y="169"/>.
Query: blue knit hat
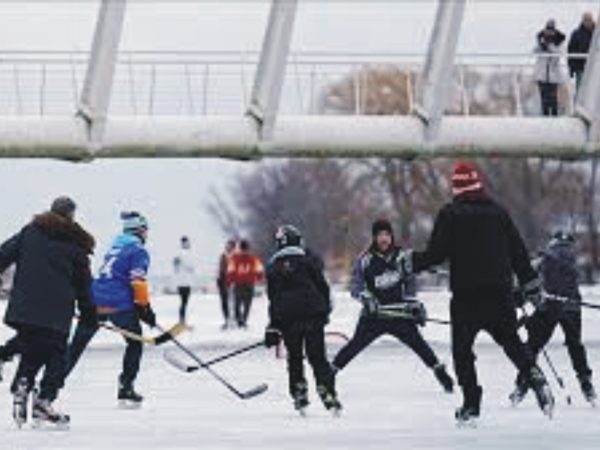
<point x="133" y="221"/>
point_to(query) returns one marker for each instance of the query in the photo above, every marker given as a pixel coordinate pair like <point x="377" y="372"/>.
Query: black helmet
<point x="288" y="236"/>
<point x="563" y="236"/>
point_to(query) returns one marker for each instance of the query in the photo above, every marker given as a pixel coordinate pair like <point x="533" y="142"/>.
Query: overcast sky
<point x="173" y="193"/>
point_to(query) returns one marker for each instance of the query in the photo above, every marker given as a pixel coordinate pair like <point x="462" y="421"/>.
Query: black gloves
<point x="272" y="337"/>
<point x="146" y="314"/>
<point x="88" y="316"/>
<point x="370" y="303"/>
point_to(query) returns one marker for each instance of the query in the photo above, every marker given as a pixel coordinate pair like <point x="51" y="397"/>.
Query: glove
<point x="88" y="317"/>
<point x="419" y="313"/>
<point x="146" y="314"/>
<point x="370" y="304"/>
<point x="272" y="337"/>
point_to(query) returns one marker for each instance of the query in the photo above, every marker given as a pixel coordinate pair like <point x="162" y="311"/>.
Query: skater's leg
<point x="366" y="332"/>
<point x="408" y="333"/>
<point x="33" y="356"/>
<point x="293" y="336"/>
<point x="129" y="321"/>
<point x="184" y="294"/>
<point x="316" y="354"/>
<point x="54" y="371"/>
<point x="224" y="295"/>
<point x="571" y="325"/>
<point x="247" y="303"/>
<point x="82" y="337"/>
<point x="239" y="304"/>
<point x="503" y="329"/>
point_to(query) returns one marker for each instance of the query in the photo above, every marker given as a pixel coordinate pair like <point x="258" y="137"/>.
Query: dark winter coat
<point x="558" y="268"/>
<point x="296" y="288"/>
<point x="481" y="243"/>
<point x="383" y="276"/>
<point x="52" y="271"/>
<point x="579" y="42"/>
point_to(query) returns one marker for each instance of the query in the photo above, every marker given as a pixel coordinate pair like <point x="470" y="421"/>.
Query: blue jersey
<point x="127" y="260"/>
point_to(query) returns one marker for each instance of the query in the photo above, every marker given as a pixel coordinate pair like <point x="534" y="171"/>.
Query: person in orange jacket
<point x="243" y="272"/>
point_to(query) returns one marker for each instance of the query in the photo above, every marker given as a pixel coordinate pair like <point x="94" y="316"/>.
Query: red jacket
<point x="244" y="269"/>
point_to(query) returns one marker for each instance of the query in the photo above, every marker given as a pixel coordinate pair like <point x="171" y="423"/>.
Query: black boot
<point x="128" y="398"/>
<point x="587" y="388"/>
<point x="300" y="395"/>
<point x="469" y="411"/>
<point x="44" y="414"/>
<point x="330" y="400"/>
<point x="444" y="379"/>
<point x="521" y="388"/>
<point x="20" y="400"/>
<point x="543" y="393"/>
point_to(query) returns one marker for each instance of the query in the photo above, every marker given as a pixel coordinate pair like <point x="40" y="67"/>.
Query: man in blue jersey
<point x="121" y="295"/>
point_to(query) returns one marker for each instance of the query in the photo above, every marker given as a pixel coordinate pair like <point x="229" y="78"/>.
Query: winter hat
<point x="133" y="221"/>
<point x="381" y="225"/>
<point x="466" y="178"/>
<point x="64" y="206"/>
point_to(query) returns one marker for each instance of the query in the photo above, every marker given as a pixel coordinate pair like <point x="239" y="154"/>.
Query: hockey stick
<point x="165" y="336"/>
<point x="244" y="395"/>
<point x="558" y="378"/>
<point x="399" y="315"/>
<point x="170" y="358"/>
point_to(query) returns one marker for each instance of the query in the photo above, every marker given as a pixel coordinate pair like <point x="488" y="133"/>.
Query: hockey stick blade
<point x="171" y="359"/>
<point x="258" y="390"/>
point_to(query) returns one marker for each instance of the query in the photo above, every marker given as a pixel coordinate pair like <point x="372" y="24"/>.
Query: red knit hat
<point x="466" y="178"/>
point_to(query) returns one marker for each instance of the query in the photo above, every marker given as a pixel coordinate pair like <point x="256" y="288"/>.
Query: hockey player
<point x="299" y="309"/>
<point x="183" y="266"/>
<point x="222" y="285"/>
<point x="52" y="272"/>
<point x="244" y="271"/>
<point x="122" y="296"/>
<point x="558" y="268"/>
<point x="484" y="249"/>
<point x="382" y="287"/>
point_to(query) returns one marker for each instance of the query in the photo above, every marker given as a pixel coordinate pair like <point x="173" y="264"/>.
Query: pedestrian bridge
<point x="277" y="103"/>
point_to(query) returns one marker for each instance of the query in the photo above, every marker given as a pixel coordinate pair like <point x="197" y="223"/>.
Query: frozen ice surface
<point x="390" y="399"/>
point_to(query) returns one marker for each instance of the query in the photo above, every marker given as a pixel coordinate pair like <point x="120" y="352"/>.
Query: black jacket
<point x="296" y="287"/>
<point x="383" y="276"/>
<point x="579" y="43"/>
<point x="559" y="270"/>
<point x="52" y="271"/>
<point x="481" y="243"/>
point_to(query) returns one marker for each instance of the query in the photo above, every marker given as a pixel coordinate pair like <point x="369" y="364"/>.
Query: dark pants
<point x="307" y="336"/>
<point x="541" y="326"/>
<point x="369" y="329"/>
<point x="42" y="347"/>
<point x="184" y="294"/>
<point x="493" y="312"/>
<point x="127" y="320"/>
<point x="243" y="302"/>
<point x="11" y="348"/>
<point x="549" y="95"/>
<point x="224" y="294"/>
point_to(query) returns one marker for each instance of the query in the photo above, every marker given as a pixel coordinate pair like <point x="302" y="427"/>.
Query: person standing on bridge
<point x="548" y="71"/>
<point x="579" y="43"/>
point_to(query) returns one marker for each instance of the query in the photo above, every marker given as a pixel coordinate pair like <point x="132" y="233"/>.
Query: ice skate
<point x="330" y="401"/>
<point x="20" y="399"/>
<point x="44" y="416"/>
<point x="128" y="398"/>
<point x="542" y="390"/>
<point x="519" y="393"/>
<point x="587" y="388"/>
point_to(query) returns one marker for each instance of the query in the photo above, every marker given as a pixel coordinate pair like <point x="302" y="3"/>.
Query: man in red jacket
<point x="243" y="272"/>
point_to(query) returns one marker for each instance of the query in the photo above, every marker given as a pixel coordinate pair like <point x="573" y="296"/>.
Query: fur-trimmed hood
<point x="60" y="228"/>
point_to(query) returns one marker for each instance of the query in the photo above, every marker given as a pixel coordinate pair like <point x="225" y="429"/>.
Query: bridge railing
<point x="189" y="83"/>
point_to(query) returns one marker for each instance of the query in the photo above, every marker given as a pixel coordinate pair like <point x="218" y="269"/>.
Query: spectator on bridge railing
<point x="548" y="71"/>
<point x="579" y="42"/>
